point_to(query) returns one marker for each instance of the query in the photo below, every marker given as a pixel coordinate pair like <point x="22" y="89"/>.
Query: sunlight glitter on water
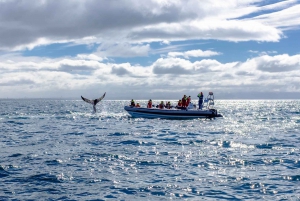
<point x="250" y="153"/>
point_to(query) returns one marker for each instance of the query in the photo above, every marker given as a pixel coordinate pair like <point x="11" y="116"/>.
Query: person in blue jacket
<point x="200" y="103"/>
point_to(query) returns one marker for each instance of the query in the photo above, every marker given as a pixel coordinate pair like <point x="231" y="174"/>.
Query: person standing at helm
<point x="200" y="103"/>
<point x="149" y="105"/>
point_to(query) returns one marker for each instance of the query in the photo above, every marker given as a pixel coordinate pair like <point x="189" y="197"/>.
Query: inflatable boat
<point x="176" y="113"/>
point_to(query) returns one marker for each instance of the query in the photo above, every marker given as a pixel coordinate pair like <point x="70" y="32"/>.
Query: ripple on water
<point x="64" y="152"/>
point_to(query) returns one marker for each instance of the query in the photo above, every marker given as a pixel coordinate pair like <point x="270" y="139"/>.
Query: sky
<point x="158" y="49"/>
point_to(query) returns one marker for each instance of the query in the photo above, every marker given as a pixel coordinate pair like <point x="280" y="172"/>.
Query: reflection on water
<point x="59" y="149"/>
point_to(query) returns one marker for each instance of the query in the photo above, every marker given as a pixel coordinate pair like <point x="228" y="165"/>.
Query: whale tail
<point x="93" y="102"/>
<point x="87" y="100"/>
<point x="99" y="99"/>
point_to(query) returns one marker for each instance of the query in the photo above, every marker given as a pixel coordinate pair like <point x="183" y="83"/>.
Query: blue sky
<point x="159" y="49"/>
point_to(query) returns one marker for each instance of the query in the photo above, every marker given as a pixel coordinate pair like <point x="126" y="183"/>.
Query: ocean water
<point x="60" y="150"/>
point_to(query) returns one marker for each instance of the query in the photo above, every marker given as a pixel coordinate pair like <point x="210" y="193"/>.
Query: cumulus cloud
<point x="278" y="63"/>
<point x="262" y="73"/>
<point x="132" y="28"/>
<point x="25" y="25"/>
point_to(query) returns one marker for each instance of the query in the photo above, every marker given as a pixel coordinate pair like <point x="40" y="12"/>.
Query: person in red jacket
<point x="188" y="100"/>
<point x="161" y="105"/>
<point x="179" y="104"/>
<point x="149" y="105"/>
<point x="184" y="99"/>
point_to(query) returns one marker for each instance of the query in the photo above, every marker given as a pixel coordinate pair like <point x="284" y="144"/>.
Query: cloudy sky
<point x="150" y="49"/>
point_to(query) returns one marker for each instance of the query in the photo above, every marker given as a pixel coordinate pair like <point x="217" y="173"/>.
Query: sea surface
<point x="61" y="150"/>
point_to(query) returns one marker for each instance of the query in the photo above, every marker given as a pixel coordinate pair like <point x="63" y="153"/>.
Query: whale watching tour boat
<point x="190" y="112"/>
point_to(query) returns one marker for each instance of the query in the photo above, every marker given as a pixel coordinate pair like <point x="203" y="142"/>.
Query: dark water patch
<point x="38" y="132"/>
<point x="151" y="163"/>
<point x="292" y="178"/>
<point x="217" y="194"/>
<point x="43" y="179"/>
<point x="110" y="197"/>
<point x="131" y="142"/>
<point x="15" y="122"/>
<point x="3" y="172"/>
<point x="101" y="128"/>
<point x="265" y="146"/>
<point x="118" y="134"/>
<point x="193" y="134"/>
<point x="52" y="162"/>
<point x="129" y="191"/>
<point x="22" y="118"/>
<point x="15" y="155"/>
<point x="74" y="133"/>
<point x="62" y="117"/>
<point x="164" y="153"/>
<point x="216" y="132"/>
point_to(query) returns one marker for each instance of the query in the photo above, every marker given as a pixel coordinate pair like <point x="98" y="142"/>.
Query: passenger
<point x="168" y="105"/>
<point x="137" y="105"/>
<point x="200" y="103"/>
<point x="161" y="105"/>
<point x="188" y="101"/>
<point x="132" y="104"/>
<point x="149" y="105"/>
<point x="184" y="99"/>
<point x="179" y="104"/>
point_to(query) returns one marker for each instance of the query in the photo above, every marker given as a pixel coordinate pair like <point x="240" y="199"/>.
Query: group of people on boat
<point x="132" y="104"/>
<point x="182" y="103"/>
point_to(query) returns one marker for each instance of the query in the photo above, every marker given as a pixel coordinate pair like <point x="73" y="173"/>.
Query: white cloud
<point x="53" y="77"/>
<point x="278" y="63"/>
<point x="25" y="25"/>
<point x="288" y="18"/>
<point x="127" y="29"/>
<point x="193" y="53"/>
<point x="89" y="57"/>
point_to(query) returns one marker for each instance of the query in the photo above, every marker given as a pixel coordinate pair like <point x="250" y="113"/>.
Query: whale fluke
<point x="94" y="101"/>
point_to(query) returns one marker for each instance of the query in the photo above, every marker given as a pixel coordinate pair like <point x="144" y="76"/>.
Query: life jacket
<point x="179" y="103"/>
<point x="200" y="96"/>
<point x="161" y="106"/>
<point x="132" y="103"/>
<point x="149" y="104"/>
<point x="183" y="101"/>
<point x="188" y="101"/>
